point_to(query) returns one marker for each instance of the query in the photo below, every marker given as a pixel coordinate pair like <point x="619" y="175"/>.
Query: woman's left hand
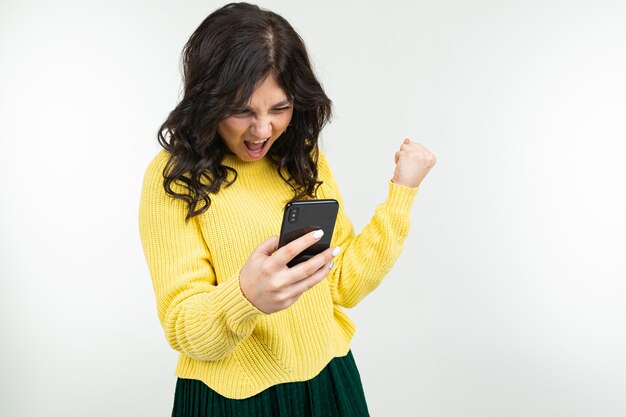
<point x="413" y="162"/>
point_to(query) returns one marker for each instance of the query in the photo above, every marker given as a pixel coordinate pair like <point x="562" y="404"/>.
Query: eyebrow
<point x="283" y="103"/>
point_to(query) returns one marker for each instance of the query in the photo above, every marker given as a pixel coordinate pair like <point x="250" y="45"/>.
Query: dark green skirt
<point x="336" y="391"/>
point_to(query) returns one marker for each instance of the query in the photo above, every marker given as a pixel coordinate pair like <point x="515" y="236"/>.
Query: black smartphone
<point x="302" y="217"/>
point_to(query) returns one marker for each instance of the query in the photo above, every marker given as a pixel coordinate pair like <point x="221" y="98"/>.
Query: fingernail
<point x="331" y="264"/>
<point x="318" y="233"/>
<point x="336" y="251"/>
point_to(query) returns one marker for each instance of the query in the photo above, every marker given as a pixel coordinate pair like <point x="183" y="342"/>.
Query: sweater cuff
<point x="400" y="198"/>
<point x="235" y="305"/>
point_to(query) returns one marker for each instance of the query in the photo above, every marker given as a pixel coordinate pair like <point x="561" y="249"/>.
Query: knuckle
<point x="266" y="269"/>
<point x="291" y="250"/>
<point x="288" y="249"/>
<point x="310" y="268"/>
<point x="274" y="286"/>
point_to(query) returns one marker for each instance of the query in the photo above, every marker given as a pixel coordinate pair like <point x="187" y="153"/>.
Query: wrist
<point x="405" y="184"/>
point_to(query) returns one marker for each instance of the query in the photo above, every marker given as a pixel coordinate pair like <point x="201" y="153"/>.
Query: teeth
<point x="257" y="141"/>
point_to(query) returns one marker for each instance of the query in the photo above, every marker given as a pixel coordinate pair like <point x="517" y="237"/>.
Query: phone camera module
<point x="293" y="214"/>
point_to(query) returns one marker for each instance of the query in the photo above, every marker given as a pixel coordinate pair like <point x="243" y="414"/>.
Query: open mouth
<point x="256" y="148"/>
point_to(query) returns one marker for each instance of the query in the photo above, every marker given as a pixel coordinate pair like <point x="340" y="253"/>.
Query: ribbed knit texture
<point x="224" y="340"/>
<point x="336" y="391"/>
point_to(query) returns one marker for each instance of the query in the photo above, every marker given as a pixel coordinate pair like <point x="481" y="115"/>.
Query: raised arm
<point x="366" y="258"/>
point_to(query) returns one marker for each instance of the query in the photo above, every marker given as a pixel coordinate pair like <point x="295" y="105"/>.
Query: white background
<point x="510" y="296"/>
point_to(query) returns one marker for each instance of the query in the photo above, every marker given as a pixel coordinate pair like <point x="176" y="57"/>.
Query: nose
<point x="261" y="128"/>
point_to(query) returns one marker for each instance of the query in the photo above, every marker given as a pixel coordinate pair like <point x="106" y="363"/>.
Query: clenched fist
<point x="413" y="161"/>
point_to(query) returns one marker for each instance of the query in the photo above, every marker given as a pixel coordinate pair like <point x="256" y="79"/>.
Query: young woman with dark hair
<point x="257" y="338"/>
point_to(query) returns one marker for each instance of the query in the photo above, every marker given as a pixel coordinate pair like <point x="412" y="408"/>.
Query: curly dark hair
<point x="232" y="51"/>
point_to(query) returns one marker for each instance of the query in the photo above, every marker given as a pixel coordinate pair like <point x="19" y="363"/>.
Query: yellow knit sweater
<point x="222" y="338"/>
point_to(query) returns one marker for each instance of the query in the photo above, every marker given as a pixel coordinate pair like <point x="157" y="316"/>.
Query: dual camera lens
<point x="293" y="214"/>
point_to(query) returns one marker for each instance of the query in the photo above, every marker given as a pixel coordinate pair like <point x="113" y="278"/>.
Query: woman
<point x="257" y="337"/>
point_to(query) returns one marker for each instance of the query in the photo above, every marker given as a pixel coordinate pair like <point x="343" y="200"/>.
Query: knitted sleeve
<point x="366" y="258"/>
<point x="201" y="319"/>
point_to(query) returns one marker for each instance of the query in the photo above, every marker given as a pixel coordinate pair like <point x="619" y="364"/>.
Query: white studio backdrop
<point x="509" y="297"/>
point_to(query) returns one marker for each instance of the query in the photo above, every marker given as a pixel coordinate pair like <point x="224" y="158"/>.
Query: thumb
<point x="268" y="247"/>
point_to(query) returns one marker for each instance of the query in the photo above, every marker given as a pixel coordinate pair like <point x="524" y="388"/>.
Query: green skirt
<point x="336" y="391"/>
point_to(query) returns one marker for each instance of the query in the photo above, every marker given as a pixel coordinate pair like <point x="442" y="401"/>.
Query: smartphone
<point x="302" y="217"/>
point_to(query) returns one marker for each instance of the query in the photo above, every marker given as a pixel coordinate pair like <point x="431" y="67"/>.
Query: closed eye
<point x="241" y="112"/>
<point x="246" y="112"/>
<point x="281" y="109"/>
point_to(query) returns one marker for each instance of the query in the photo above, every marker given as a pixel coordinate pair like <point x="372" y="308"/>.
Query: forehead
<point x="267" y="94"/>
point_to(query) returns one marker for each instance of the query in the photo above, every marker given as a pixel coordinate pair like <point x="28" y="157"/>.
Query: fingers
<point x="312" y="272"/>
<point x="294" y="248"/>
<point x="293" y="282"/>
<point x="306" y="274"/>
<point x="311" y="266"/>
<point x="417" y="149"/>
<point x="270" y="285"/>
<point x="407" y="145"/>
<point x="309" y="282"/>
<point x="268" y="246"/>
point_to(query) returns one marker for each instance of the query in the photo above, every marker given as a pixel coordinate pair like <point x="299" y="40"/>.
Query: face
<point x="250" y="131"/>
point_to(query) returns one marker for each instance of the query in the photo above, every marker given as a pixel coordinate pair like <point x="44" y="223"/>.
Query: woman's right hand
<point x="270" y="285"/>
